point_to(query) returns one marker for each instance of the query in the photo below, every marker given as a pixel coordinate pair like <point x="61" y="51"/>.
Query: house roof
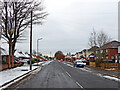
<point x="2" y="49"/>
<point x="19" y="54"/>
<point x="94" y="48"/>
<point x="111" y="45"/>
<point x="40" y="57"/>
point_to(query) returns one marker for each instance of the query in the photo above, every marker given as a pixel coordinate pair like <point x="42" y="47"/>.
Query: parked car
<point x="79" y="63"/>
<point x="16" y="61"/>
<point x="23" y="61"/>
<point x="61" y="60"/>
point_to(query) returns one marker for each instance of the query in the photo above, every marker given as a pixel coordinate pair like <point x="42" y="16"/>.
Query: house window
<point x="101" y="51"/>
<point x="106" y="50"/>
<point x="106" y="57"/>
<point x="116" y="57"/>
<point x="96" y="52"/>
<point x="112" y="57"/>
<point x="4" y="60"/>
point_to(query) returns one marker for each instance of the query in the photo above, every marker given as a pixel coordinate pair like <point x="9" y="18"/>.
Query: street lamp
<point x="37" y="44"/>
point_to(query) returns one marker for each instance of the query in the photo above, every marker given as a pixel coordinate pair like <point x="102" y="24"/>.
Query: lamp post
<point x="37" y="44"/>
<point x="37" y="47"/>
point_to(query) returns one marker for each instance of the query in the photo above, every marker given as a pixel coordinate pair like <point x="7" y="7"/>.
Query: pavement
<point x="61" y="75"/>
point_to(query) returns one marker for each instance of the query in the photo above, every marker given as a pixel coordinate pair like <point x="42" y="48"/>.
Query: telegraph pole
<point x="31" y="44"/>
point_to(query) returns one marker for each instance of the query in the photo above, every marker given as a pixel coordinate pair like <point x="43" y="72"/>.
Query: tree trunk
<point x="13" y="49"/>
<point x="10" y="48"/>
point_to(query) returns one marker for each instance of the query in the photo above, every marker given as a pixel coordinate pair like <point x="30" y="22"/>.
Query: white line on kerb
<point x="79" y="85"/>
<point x="68" y="74"/>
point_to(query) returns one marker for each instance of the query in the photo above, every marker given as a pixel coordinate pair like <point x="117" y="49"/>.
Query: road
<point x="59" y="75"/>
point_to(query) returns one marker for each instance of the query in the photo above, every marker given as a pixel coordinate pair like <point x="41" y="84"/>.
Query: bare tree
<point x="93" y="39"/>
<point x="16" y="18"/>
<point x="103" y="38"/>
<point x="98" y="38"/>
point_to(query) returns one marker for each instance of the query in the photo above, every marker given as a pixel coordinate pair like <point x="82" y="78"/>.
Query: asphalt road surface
<point x="58" y="75"/>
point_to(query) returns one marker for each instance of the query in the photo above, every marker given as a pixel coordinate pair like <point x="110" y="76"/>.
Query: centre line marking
<point x="80" y="85"/>
<point x="68" y="74"/>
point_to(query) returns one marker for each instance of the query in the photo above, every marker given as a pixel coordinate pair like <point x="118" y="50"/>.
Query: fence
<point x="106" y="65"/>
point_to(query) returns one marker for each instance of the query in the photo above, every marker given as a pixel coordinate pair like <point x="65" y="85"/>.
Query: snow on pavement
<point x="10" y="74"/>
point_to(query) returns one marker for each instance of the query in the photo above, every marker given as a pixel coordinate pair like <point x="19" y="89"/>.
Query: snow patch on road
<point x="98" y="74"/>
<point x="83" y="69"/>
<point x="112" y="78"/>
<point x="69" y="65"/>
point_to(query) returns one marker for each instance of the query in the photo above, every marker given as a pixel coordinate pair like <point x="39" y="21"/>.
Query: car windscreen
<point x="79" y="61"/>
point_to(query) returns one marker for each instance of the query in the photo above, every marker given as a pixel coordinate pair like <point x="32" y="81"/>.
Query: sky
<point x="69" y="24"/>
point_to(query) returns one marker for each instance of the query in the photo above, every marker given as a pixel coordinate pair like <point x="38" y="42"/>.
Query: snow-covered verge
<point x="10" y="74"/>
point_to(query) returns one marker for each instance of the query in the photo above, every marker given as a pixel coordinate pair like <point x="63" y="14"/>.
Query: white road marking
<point x="68" y="74"/>
<point x="71" y="77"/>
<point x="80" y="85"/>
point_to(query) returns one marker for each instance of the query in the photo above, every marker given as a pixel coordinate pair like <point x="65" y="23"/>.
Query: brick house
<point x="108" y="51"/>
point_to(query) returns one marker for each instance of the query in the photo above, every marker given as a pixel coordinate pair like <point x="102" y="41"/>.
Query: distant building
<point x="78" y="54"/>
<point x="90" y="53"/>
<point x="87" y="53"/>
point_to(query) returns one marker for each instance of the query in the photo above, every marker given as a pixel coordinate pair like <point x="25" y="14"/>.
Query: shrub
<point x="33" y="61"/>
